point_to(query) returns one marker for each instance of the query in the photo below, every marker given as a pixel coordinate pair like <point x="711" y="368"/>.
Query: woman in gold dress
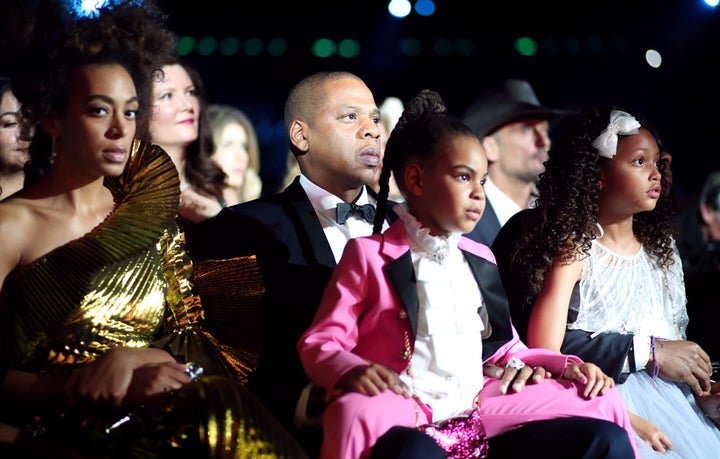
<point x="98" y="320"/>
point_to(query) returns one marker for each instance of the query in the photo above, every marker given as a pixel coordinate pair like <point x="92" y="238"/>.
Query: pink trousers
<point x="353" y="422"/>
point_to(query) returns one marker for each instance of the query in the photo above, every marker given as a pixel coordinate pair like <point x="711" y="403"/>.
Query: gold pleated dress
<point x="127" y="283"/>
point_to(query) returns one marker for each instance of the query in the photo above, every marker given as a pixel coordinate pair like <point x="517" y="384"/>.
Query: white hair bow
<point x="620" y="123"/>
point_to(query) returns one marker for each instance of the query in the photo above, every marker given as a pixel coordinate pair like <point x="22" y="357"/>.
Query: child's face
<point x="453" y="195"/>
<point x="632" y="179"/>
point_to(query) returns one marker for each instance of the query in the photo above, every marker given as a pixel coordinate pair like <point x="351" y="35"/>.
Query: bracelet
<point x="656" y="366"/>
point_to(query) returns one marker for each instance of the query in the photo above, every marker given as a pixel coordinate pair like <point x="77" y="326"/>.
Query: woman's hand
<point x="650" y="433"/>
<point x="591" y="376"/>
<point x="104" y="383"/>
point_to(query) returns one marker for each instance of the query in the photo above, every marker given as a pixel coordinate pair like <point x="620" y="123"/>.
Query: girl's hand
<point x="372" y="379"/>
<point x="650" y="433"/>
<point x="596" y="382"/>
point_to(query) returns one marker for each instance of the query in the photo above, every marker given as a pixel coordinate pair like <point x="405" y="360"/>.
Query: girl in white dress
<point x="601" y="258"/>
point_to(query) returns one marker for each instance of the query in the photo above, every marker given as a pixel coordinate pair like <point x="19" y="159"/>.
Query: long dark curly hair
<point x="54" y="43"/>
<point x="421" y="134"/>
<point x="567" y="205"/>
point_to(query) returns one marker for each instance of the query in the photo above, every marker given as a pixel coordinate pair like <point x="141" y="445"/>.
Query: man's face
<point x="343" y="140"/>
<point x="522" y="149"/>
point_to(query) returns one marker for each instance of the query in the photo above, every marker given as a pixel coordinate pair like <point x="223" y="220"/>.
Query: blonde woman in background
<point x="236" y="152"/>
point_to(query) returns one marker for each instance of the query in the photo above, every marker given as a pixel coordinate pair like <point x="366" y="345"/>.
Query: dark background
<point x="680" y="98"/>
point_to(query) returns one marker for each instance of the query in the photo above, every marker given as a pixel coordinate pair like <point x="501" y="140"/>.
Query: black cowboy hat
<point x="511" y="101"/>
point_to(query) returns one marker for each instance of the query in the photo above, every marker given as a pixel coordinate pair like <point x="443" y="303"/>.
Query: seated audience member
<point x="236" y="152"/>
<point x="699" y="246"/>
<point x="413" y="327"/>
<point x="594" y="270"/>
<point x="102" y="346"/>
<point x="14" y="141"/>
<point x="331" y="124"/>
<point x="515" y="132"/>
<point x="180" y="125"/>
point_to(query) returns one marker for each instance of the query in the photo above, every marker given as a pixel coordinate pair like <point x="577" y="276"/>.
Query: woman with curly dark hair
<point x="594" y="270"/>
<point x="100" y="325"/>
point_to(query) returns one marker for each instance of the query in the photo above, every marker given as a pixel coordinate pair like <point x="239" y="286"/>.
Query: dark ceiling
<point x="680" y="97"/>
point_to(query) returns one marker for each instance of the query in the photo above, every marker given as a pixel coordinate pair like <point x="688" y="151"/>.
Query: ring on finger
<point x="516" y="363"/>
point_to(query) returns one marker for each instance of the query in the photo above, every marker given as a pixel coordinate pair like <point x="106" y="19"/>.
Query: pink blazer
<point x="372" y="297"/>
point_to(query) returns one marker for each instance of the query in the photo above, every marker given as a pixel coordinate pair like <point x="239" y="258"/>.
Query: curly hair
<point x="567" y="205"/>
<point x="56" y="43"/>
<point x="422" y="132"/>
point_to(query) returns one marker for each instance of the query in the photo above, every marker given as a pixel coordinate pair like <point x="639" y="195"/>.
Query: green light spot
<point x="348" y="48"/>
<point x="207" y="46"/>
<point x="253" y="46"/>
<point x="185" y="45"/>
<point x="526" y="46"/>
<point x="323" y="47"/>
<point x="277" y="47"/>
<point x="229" y="46"/>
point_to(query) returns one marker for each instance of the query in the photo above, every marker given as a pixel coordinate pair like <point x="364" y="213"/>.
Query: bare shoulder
<point x="18" y="228"/>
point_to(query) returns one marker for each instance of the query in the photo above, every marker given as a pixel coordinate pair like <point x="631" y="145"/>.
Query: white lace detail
<point x="629" y="294"/>
<point x="436" y="248"/>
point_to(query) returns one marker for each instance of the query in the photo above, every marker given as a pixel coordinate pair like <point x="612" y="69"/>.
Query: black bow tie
<point x="344" y="210"/>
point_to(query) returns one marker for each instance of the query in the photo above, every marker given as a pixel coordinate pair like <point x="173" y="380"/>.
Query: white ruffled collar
<point x="435" y="248"/>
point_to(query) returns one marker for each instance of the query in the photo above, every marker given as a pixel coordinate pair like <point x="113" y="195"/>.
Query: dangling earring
<point x="602" y="231"/>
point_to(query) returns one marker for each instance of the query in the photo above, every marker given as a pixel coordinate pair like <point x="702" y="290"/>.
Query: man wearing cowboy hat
<point x="514" y="129"/>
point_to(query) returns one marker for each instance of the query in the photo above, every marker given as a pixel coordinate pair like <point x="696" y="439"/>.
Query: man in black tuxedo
<point x="299" y="234"/>
<point x="331" y="123"/>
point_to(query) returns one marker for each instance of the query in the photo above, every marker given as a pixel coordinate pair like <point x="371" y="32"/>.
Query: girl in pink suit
<point x="410" y="317"/>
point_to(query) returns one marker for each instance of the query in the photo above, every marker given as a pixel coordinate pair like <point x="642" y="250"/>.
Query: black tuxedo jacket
<point x="296" y="260"/>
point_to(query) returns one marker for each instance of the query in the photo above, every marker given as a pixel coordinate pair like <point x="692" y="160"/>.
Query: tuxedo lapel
<point x="488" y="279"/>
<point x="400" y="271"/>
<point x="300" y="210"/>
<point x="402" y="278"/>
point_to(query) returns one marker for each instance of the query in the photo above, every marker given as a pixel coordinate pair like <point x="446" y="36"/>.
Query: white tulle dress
<point x="631" y="294"/>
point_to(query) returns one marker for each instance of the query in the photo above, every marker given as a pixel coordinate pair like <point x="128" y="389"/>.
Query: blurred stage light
<point x="399" y="8"/>
<point x="425" y="7"/>
<point x="653" y="58"/>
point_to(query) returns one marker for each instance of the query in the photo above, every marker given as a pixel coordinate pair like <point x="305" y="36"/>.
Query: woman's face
<point x="176" y="109"/>
<point x="93" y="136"/>
<point x="13" y="149"/>
<point x="231" y="153"/>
